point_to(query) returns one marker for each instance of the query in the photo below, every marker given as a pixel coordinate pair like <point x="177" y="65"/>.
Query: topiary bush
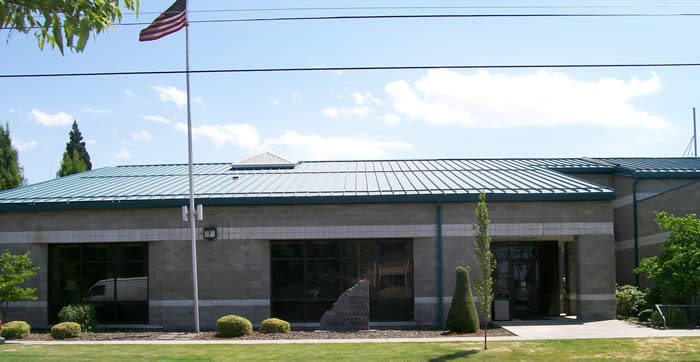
<point x="629" y="300"/>
<point x="15" y="329"/>
<point x="645" y="315"/>
<point x="462" y="317"/>
<point x="274" y="325"/>
<point x="233" y="326"/>
<point x="656" y="319"/>
<point x="83" y="314"/>
<point x="65" y="330"/>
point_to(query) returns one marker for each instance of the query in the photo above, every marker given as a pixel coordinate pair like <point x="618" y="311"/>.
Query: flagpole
<point x="193" y="230"/>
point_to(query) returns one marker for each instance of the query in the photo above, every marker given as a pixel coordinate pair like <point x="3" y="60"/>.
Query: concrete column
<point x="595" y="290"/>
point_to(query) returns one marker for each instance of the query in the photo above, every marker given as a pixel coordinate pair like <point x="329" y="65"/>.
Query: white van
<point x="128" y="290"/>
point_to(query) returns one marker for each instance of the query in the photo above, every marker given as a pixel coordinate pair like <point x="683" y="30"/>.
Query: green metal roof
<point x="314" y="182"/>
<point x="680" y="167"/>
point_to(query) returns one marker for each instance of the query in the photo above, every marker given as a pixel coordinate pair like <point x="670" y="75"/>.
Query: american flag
<point x="170" y="21"/>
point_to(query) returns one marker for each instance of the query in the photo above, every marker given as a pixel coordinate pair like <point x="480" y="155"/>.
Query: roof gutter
<point x="636" y="231"/>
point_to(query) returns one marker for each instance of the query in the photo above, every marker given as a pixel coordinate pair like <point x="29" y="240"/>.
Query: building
<point x="285" y="239"/>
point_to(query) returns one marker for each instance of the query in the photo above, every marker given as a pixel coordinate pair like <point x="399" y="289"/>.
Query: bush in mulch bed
<point x="274" y="325"/>
<point x="233" y="326"/>
<point x="15" y="329"/>
<point x="65" y="330"/>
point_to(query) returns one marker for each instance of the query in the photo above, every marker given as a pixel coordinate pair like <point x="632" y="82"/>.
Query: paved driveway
<point x="565" y="328"/>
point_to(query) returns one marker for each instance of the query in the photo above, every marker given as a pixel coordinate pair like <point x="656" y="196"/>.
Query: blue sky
<point x="361" y="115"/>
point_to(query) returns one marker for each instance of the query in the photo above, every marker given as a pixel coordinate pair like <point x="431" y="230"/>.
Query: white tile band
<point x="307" y="232"/>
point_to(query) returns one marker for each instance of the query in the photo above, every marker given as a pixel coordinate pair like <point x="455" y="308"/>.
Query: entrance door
<point x="523" y="289"/>
<point x="526" y="273"/>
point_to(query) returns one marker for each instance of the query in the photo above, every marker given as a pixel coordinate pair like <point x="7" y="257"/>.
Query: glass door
<point x="523" y="289"/>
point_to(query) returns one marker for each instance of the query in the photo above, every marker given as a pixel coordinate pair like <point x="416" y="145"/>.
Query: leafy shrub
<point x="83" y="314"/>
<point x="656" y="319"/>
<point x="233" y="326"/>
<point x="15" y="329"/>
<point x="462" y="317"/>
<point x="644" y="315"/>
<point x="65" y="330"/>
<point x="274" y="325"/>
<point x="629" y="300"/>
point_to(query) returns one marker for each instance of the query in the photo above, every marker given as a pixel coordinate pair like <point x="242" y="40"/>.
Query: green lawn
<point x="642" y="348"/>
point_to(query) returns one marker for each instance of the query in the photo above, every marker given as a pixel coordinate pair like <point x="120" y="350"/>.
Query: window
<point x="307" y="277"/>
<point x="112" y="277"/>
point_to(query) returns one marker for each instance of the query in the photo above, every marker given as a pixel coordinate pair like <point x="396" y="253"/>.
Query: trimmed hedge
<point x="462" y="317"/>
<point x="274" y="325"/>
<point x="233" y="326"/>
<point x="83" y="314"/>
<point x="15" y="329"/>
<point x="65" y="330"/>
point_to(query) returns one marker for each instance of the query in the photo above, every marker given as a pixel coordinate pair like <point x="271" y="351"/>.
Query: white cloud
<point x="129" y="93"/>
<point x="322" y="148"/>
<point x="367" y="97"/>
<point x="333" y="112"/>
<point x="11" y="110"/>
<point x="157" y="119"/>
<point x="544" y="98"/>
<point x="296" y="98"/>
<point x="275" y="101"/>
<point x="242" y="135"/>
<point x="295" y="144"/>
<point x="141" y="135"/>
<point x="91" y="141"/>
<point x="24" y="146"/>
<point x="123" y="154"/>
<point x="390" y="118"/>
<point x="97" y="110"/>
<point x="172" y="94"/>
<point x="198" y="100"/>
<point x="46" y="119"/>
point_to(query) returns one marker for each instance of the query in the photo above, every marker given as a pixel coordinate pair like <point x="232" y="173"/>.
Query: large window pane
<point x="287" y="250"/>
<point x="323" y="279"/>
<point x="93" y="274"/>
<point x="308" y="276"/>
<point x="288" y="279"/>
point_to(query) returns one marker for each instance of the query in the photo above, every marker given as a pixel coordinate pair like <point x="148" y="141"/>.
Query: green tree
<point x="15" y="270"/>
<point x="677" y="268"/>
<point x="75" y="158"/>
<point x="71" y="164"/>
<point x="462" y="317"/>
<point x="11" y="174"/>
<point x="484" y="258"/>
<point x="63" y="23"/>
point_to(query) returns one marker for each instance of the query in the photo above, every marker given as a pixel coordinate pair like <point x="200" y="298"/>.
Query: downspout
<point x="636" y="234"/>
<point x="438" y="222"/>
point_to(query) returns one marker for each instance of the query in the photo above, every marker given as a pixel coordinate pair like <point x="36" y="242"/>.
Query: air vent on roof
<point x="263" y="161"/>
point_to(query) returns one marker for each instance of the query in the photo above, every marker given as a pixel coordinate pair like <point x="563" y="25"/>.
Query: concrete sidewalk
<point x="524" y="330"/>
<point x="563" y="328"/>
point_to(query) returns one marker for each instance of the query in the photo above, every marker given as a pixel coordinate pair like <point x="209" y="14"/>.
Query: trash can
<point x="501" y="307"/>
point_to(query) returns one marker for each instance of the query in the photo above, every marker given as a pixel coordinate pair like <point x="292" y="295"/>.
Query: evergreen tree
<point x="11" y="174"/>
<point x="462" y="317"/>
<point x="75" y="158"/>
<point x="71" y="164"/>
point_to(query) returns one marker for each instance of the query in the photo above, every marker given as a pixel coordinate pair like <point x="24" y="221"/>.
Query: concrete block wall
<point x="234" y="269"/>
<point x="33" y="312"/>
<point x="676" y="196"/>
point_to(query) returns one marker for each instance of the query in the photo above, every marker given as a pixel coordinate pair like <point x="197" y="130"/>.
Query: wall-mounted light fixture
<point x="210" y="233"/>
